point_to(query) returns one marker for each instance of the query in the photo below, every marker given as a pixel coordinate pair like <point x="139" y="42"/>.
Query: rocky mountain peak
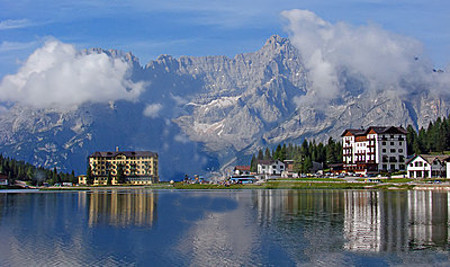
<point x="199" y="113"/>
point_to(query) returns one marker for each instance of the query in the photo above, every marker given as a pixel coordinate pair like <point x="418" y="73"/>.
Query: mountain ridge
<point x="205" y="113"/>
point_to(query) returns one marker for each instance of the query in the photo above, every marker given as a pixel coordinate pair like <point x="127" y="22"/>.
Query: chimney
<point x="117" y="148"/>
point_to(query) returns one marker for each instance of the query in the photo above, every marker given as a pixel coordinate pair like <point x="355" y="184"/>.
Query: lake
<point x="147" y="227"/>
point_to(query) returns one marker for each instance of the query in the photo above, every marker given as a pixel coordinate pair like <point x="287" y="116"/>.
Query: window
<point x="400" y="143"/>
<point x="400" y="150"/>
<point x="392" y="150"/>
<point x="392" y="143"/>
<point x="384" y="150"/>
<point x="383" y="143"/>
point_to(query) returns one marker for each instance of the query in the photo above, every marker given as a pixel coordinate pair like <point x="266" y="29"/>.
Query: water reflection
<point x="371" y="221"/>
<point x="225" y="227"/>
<point x="121" y="208"/>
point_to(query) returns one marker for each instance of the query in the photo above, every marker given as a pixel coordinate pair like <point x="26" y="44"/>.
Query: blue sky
<point x="199" y="28"/>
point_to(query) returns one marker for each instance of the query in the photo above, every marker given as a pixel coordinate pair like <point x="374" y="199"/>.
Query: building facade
<point x="428" y="166"/>
<point x="138" y="167"/>
<point x="374" y="149"/>
<point x="242" y="170"/>
<point x="270" y="167"/>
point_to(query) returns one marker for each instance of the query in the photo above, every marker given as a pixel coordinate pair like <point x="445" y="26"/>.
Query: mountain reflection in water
<point x="225" y="227"/>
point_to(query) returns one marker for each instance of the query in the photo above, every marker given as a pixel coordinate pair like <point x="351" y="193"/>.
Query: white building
<point x="374" y="149"/>
<point x="242" y="170"/>
<point x="271" y="167"/>
<point x="427" y="166"/>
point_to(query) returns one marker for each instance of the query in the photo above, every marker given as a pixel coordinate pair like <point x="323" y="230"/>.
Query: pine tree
<point x="89" y="176"/>
<point x="283" y="153"/>
<point x="267" y="155"/>
<point x="109" y="180"/>
<point x="260" y="155"/>
<point x="120" y="177"/>
<point x="253" y="164"/>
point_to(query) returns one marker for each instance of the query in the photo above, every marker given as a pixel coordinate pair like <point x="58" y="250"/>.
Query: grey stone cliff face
<point x="214" y="110"/>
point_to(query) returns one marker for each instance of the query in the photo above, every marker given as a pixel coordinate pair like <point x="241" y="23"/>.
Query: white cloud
<point x="57" y="75"/>
<point x="179" y="101"/>
<point x="380" y="57"/>
<point x="181" y="138"/>
<point x="152" y="110"/>
<point x="6" y="46"/>
<point x="14" y="24"/>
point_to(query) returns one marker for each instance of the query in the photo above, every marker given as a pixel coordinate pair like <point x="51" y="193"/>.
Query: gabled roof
<point x="376" y="129"/>
<point x="352" y="132"/>
<point x="268" y="162"/>
<point x="242" y="168"/>
<point x="386" y="130"/>
<point x="128" y="154"/>
<point x="430" y="158"/>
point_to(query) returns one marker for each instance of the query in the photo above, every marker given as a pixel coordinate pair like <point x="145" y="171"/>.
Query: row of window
<point x="274" y="167"/>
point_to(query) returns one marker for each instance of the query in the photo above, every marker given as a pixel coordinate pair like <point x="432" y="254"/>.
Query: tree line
<point x="303" y="155"/>
<point x="434" y="138"/>
<point x="21" y="170"/>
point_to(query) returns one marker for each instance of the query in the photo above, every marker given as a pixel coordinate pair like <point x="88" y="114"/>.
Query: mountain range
<point x="203" y="114"/>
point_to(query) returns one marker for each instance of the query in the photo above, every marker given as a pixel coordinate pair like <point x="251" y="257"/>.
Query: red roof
<point x="376" y="129"/>
<point x="242" y="168"/>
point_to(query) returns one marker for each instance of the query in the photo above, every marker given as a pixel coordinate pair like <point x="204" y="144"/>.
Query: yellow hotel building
<point x="139" y="167"/>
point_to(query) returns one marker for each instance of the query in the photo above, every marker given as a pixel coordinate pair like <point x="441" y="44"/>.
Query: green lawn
<point x="312" y="179"/>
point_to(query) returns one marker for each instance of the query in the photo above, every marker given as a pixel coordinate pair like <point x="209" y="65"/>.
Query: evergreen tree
<point x="411" y="137"/>
<point x="277" y="152"/>
<point x="260" y="155"/>
<point x="307" y="165"/>
<point x="283" y="153"/>
<point x="267" y="155"/>
<point x="253" y="164"/>
<point x="120" y="177"/>
<point x="89" y="176"/>
<point x="109" y="180"/>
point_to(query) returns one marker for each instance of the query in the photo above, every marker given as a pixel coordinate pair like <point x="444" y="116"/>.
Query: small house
<point x="3" y="179"/>
<point x="428" y="166"/>
<point x="271" y="167"/>
<point x="241" y="170"/>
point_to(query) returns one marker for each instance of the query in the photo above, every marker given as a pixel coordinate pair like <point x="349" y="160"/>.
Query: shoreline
<point x="267" y="185"/>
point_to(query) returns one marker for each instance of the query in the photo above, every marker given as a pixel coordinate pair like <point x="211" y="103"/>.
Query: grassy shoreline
<point x="391" y="184"/>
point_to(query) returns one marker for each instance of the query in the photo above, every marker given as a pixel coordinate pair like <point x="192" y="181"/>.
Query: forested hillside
<point x="21" y="170"/>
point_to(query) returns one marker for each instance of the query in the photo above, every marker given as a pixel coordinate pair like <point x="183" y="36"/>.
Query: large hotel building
<point x="139" y="167"/>
<point x="374" y="149"/>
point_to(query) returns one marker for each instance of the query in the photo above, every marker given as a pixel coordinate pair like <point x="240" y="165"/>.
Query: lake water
<point x="147" y="227"/>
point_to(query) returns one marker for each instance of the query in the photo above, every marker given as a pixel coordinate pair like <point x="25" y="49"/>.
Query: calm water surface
<point x="225" y="228"/>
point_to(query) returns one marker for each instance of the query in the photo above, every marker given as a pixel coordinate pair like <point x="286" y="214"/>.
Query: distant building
<point x="82" y="180"/>
<point x="289" y="171"/>
<point x="242" y="170"/>
<point x="3" y="179"/>
<point x="270" y="167"/>
<point x="139" y="167"/>
<point x="374" y="149"/>
<point x="428" y="166"/>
